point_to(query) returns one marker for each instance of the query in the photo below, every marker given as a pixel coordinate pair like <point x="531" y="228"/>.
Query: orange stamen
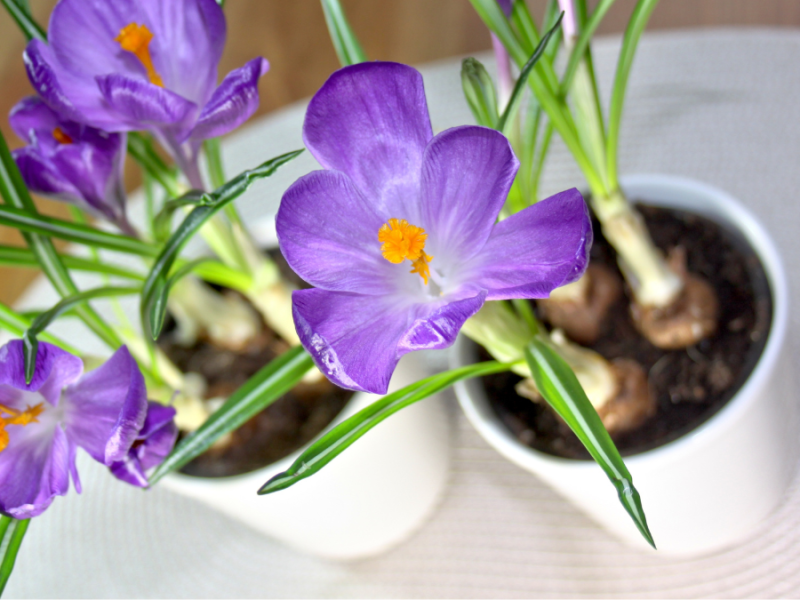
<point x="11" y="416"/>
<point x="61" y="137"/>
<point x="404" y="241"/>
<point x="136" y="38"/>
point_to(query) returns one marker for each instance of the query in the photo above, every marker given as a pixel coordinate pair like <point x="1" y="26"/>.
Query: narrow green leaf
<point x="345" y="42"/>
<point x="333" y="443"/>
<point x="16" y="324"/>
<point x="162" y="289"/>
<point x="31" y="222"/>
<point x="21" y="13"/>
<point x="551" y="13"/>
<point x="10" y="557"/>
<point x="13" y="190"/>
<point x="479" y="91"/>
<point x="162" y="223"/>
<point x="14" y="256"/>
<point x="582" y="44"/>
<point x="152" y="309"/>
<point x="641" y="14"/>
<point x="261" y="390"/>
<point x="522" y="81"/>
<point x="562" y="391"/>
<point x="549" y="99"/>
<point x="30" y="342"/>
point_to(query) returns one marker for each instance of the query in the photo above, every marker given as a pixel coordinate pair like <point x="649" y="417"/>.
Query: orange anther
<point x="136" y="39"/>
<point x="61" y="137"/>
<point x="404" y="241"/>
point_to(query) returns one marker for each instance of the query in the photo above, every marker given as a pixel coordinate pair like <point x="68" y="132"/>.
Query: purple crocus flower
<point x="44" y="422"/>
<point x="392" y="192"/>
<point x="151" y="446"/>
<point x="123" y="65"/>
<point x="70" y="161"/>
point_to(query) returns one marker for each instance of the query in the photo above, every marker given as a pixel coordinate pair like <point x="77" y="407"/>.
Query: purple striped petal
<point x="34" y="468"/>
<point x="41" y="176"/>
<point x="370" y="121"/>
<point x="328" y="233"/>
<point x="31" y="114"/>
<point x="536" y="250"/>
<point x="142" y="105"/>
<point x="466" y="175"/>
<point x="154" y="442"/>
<point x="55" y="369"/>
<point x="232" y="103"/>
<point x="107" y="408"/>
<point x="357" y="340"/>
<point x="188" y="38"/>
<point x="51" y="82"/>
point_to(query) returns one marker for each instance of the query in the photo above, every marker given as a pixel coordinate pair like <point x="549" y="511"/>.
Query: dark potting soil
<point x="286" y="425"/>
<point x="689" y="385"/>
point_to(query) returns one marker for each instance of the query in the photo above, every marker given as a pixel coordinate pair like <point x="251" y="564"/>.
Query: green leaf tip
<point x="281" y="481"/>
<point x="629" y="497"/>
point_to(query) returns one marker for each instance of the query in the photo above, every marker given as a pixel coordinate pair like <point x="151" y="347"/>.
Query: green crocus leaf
<point x="562" y="391"/>
<point x="156" y="287"/>
<point x="261" y="390"/>
<point x="345" y="42"/>
<point x="30" y="342"/>
<point x="333" y="443"/>
<point x="12" y="532"/>
<point x="479" y="91"/>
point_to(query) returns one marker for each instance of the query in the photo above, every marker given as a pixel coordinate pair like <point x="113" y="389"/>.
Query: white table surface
<point x="721" y="106"/>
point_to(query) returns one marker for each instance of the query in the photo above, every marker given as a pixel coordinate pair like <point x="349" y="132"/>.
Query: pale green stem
<point x="641" y="262"/>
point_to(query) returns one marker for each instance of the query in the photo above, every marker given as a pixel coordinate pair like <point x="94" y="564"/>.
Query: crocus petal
<point x="30" y="114"/>
<point x="55" y="369"/>
<point x="536" y="250"/>
<point x="232" y="103"/>
<point x="152" y="445"/>
<point x="34" y="469"/>
<point x="143" y="105"/>
<point x="42" y="177"/>
<point x="188" y="37"/>
<point x="466" y="175"/>
<point x="371" y="122"/>
<point x="335" y="247"/>
<point x="188" y="40"/>
<point x="46" y="77"/>
<point x="106" y="409"/>
<point x="357" y="340"/>
<point x="92" y="169"/>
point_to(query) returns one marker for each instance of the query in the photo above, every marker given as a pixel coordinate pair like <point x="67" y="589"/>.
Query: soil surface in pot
<point x="285" y="426"/>
<point x="689" y="385"/>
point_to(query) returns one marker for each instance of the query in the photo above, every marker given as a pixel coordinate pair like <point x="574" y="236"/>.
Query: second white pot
<point x="713" y="486"/>
<point x="368" y="499"/>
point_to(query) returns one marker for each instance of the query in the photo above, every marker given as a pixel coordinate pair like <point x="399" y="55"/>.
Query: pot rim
<point x="720" y="207"/>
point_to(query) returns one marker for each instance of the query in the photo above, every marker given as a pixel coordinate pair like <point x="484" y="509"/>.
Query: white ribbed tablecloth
<point x="722" y="106"/>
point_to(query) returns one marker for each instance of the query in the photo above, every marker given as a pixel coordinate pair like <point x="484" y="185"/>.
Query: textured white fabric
<point x="719" y="106"/>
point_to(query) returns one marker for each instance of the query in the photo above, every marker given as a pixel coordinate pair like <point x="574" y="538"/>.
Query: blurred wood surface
<point x="293" y="36"/>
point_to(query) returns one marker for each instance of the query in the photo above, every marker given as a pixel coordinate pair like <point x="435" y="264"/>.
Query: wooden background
<point x="293" y="36"/>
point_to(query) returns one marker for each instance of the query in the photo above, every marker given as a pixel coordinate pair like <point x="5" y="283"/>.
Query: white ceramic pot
<point x="368" y="499"/>
<point x="713" y="486"/>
